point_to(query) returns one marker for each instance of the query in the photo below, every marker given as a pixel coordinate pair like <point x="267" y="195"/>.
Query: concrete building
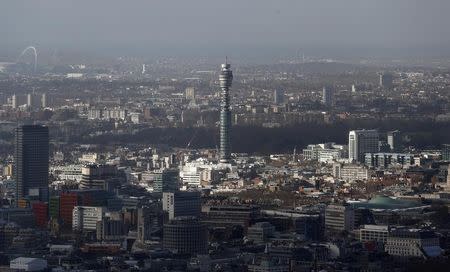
<point x="339" y="218"/>
<point x="369" y="233"/>
<point x="95" y="114"/>
<point x="28" y="264"/>
<point x="413" y="243"/>
<point x="350" y="172"/>
<point x="269" y="265"/>
<point x="310" y="226"/>
<point x="386" y="81"/>
<point x="85" y="218"/>
<point x="278" y="96"/>
<point x="327" y="96"/>
<point x="361" y="142"/>
<point x="7" y="233"/>
<point x="18" y="100"/>
<point x="260" y="232"/>
<point x="445" y="152"/>
<point x="224" y="216"/>
<point x="44" y="101"/>
<point x="89" y="158"/>
<point x="135" y="117"/>
<point x="144" y="229"/>
<point x="99" y="176"/>
<point x="67" y="172"/>
<point x="191" y="177"/>
<point x="394" y="140"/>
<point x="448" y="178"/>
<point x="32" y="162"/>
<point x="186" y="235"/>
<point x="386" y="160"/>
<point x="33" y="101"/>
<point x="115" y="114"/>
<point x="149" y="221"/>
<point x="110" y="229"/>
<point x="326" y="152"/>
<point x="189" y="93"/>
<point x="69" y="200"/>
<point x="198" y="172"/>
<point x="182" y="203"/>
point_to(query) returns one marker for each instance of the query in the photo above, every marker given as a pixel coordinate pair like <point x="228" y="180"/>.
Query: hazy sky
<point x="219" y="26"/>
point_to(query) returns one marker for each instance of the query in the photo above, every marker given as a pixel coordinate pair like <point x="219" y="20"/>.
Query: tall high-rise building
<point x="394" y="140"/>
<point x="166" y="180"/>
<point x="44" y="102"/>
<point x="33" y="101"/>
<point x="327" y="96"/>
<point x="190" y="93"/>
<point x="149" y="221"/>
<point x="278" y="96"/>
<point x="14" y="101"/>
<point x="448" y="178"/>
<point x="361" y="142"/>
<point x="225" y="78"/>
<point x="386" y="80"/>
<point x="32" y="159"/>
<point x="182" y="203"/>
<point x="18" y="100"/>
<point x="185" y="235"/>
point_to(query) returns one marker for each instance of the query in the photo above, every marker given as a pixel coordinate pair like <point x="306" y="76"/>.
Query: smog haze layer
<point x="264" y="28"/>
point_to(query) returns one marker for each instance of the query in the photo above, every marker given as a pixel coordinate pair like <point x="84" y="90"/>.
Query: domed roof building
<point x="387" y="203"/>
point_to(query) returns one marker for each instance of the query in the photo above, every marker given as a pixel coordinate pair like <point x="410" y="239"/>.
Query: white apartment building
<point x="369" y="233"/>
<point x="88" y="158"/>
<point x="350" y="172"/>
<point x="195" y="172"/>
<point x="107" y="114"/>
<point x="326" y="152"/>
<point x="67" y="172"/>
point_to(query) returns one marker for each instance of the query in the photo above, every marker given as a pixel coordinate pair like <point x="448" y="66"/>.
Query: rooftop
<point x="387" y="203"/>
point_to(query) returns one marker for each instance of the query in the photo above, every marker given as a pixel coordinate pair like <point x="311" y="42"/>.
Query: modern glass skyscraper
<point x="327" y="96"/>
<point x="361" y="142"/>
<point x="166" y="180"/>
<point x="31" y="157"/>
<point x="278" y="96"/>
<point x="225" y="78"/>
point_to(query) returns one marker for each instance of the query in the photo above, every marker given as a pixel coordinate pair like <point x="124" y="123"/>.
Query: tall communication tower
<point x="225" y="78"/>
